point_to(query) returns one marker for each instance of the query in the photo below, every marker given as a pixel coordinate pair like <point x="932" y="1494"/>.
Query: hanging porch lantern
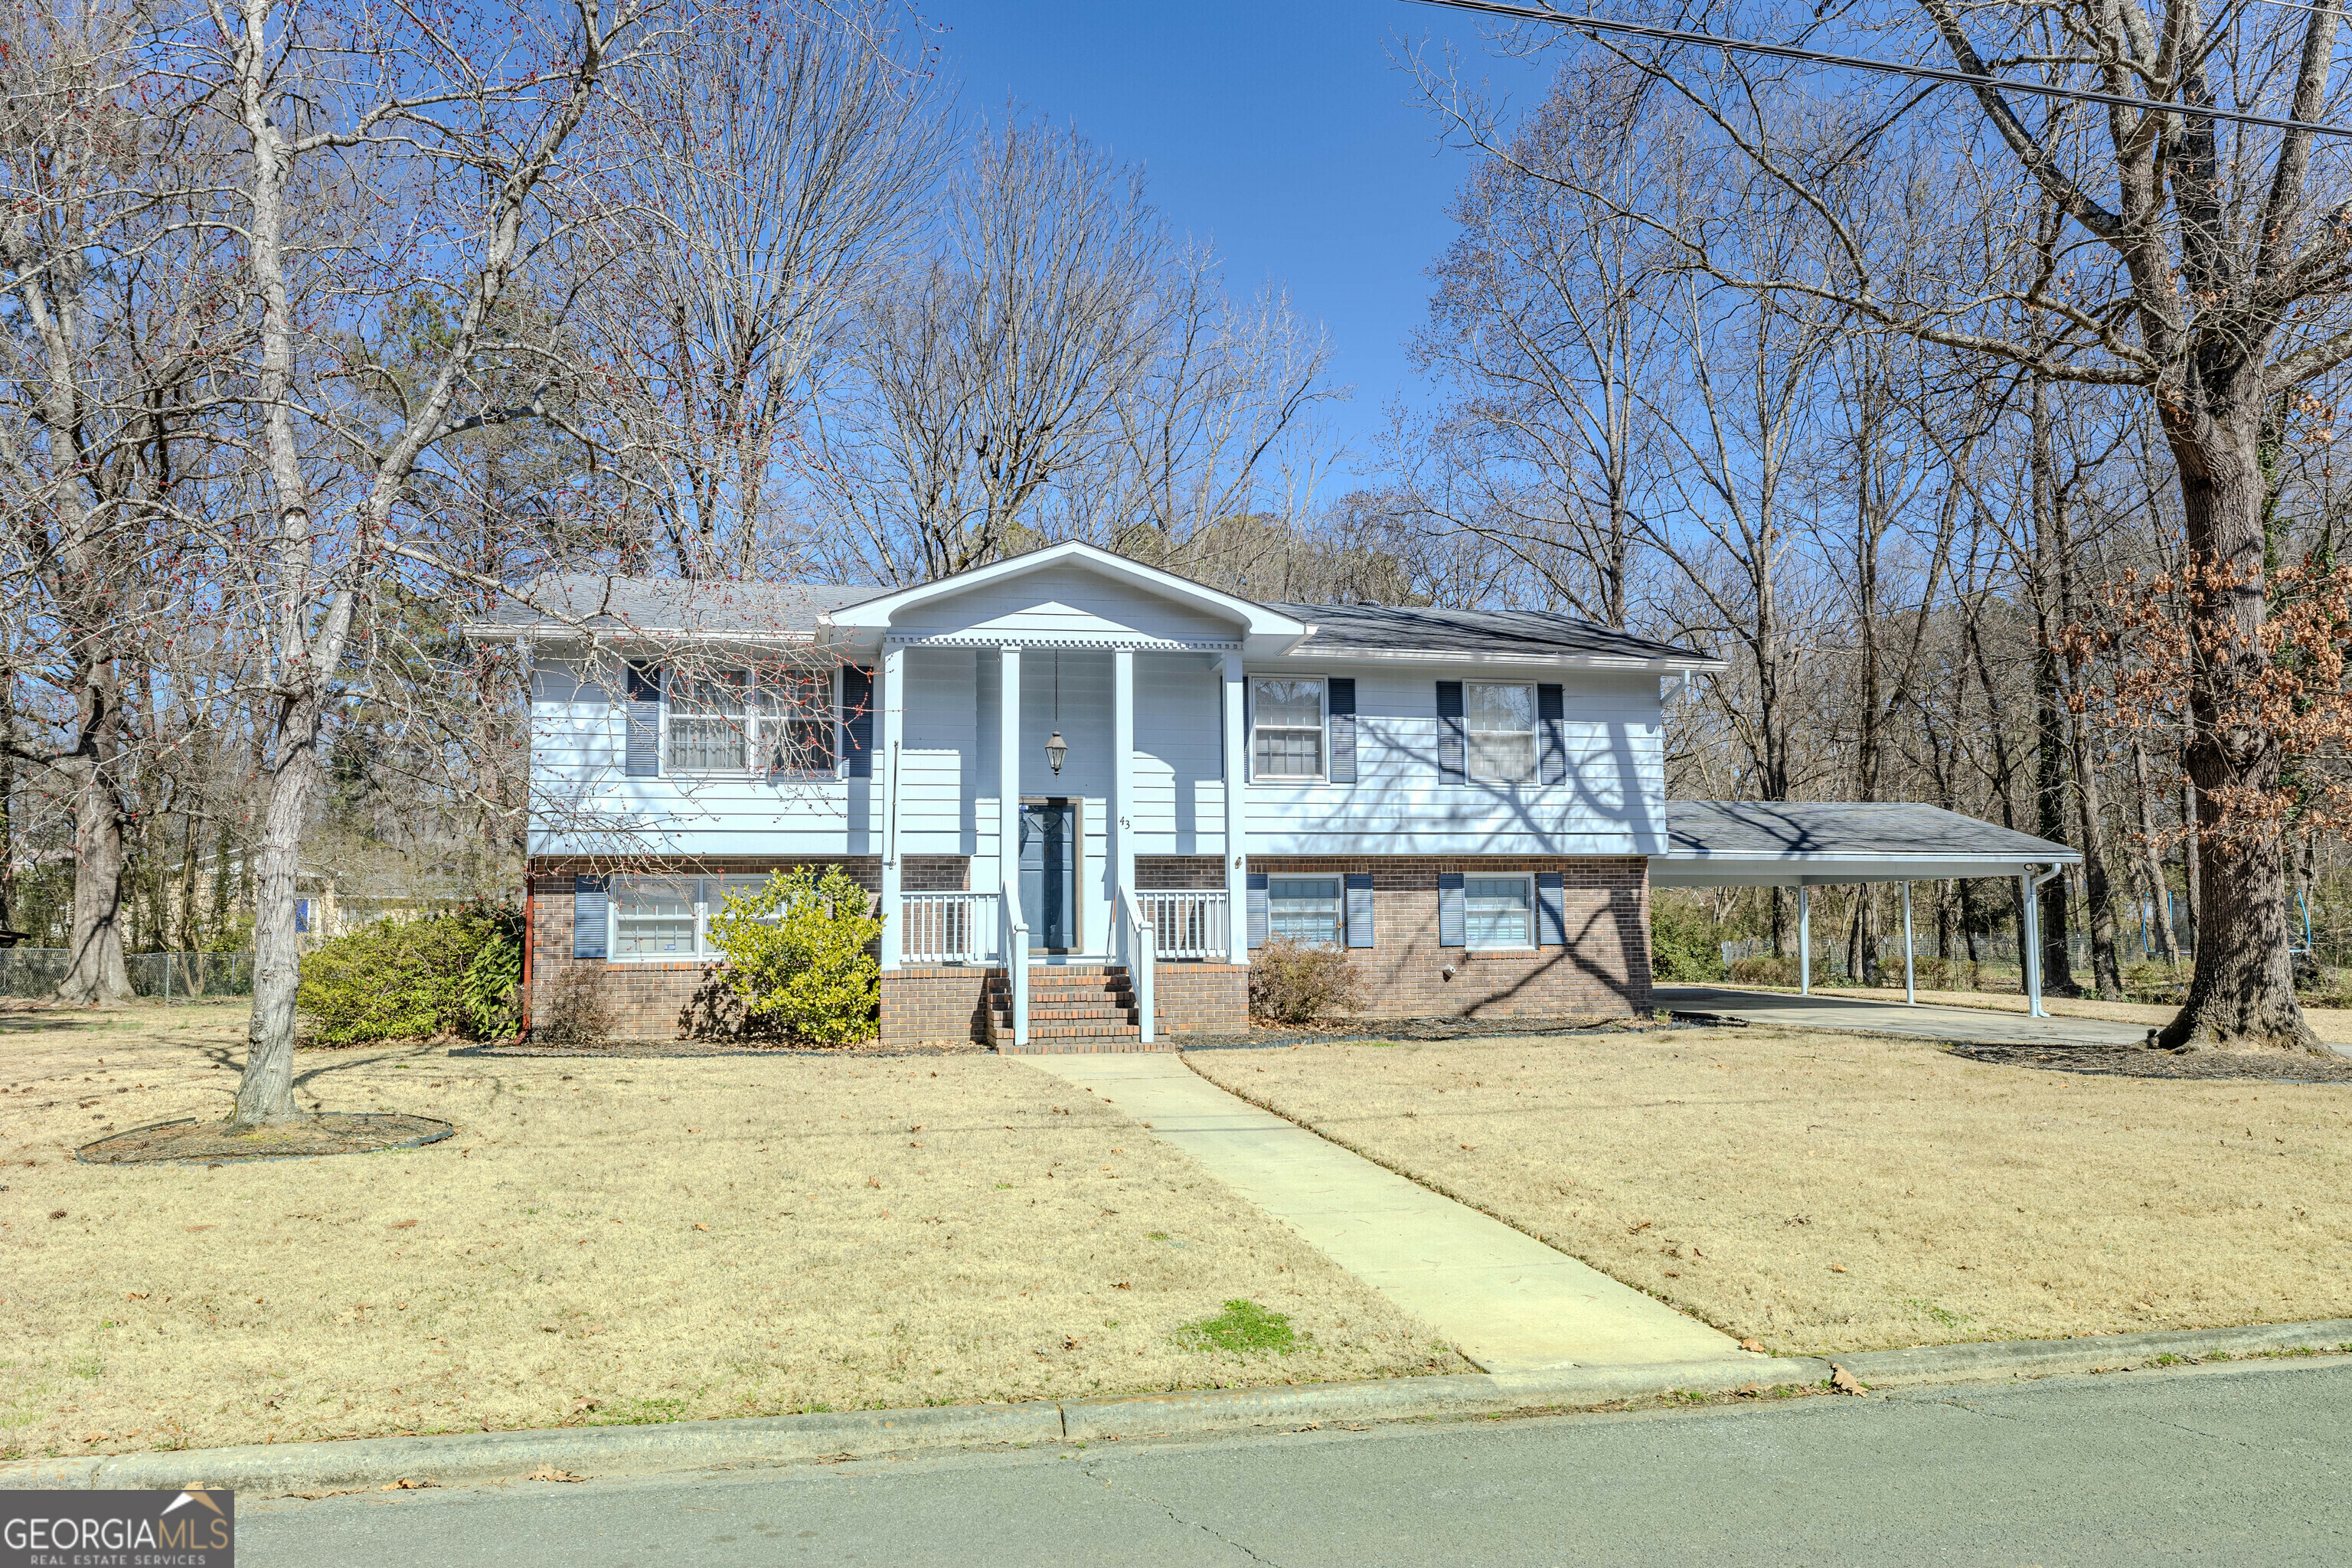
<point x="1056" y="749"/>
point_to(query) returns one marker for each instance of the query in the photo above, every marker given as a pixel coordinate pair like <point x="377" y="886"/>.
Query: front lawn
<point x="1832" y="1192"/>
<point x="614" y="1241"/>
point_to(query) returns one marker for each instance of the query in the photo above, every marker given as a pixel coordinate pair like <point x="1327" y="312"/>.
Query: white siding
<point x="1612" y="804"/>
<point x="1066" y="601"/>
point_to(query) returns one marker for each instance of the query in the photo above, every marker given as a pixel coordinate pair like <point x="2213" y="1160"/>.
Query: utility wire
<point x="1856" y="62"/>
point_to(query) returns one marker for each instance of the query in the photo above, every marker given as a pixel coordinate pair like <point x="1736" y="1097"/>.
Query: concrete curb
<point x="2100" y="1353"/>
<point x="282" y="1468"/>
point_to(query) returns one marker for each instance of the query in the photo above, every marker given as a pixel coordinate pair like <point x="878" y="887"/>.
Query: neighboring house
<point x="1127" y="780"/>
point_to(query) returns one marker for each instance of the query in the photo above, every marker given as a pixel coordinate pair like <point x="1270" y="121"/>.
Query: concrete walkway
<point x="1504" y="1300"/>
<point x="1974" y="1025"/>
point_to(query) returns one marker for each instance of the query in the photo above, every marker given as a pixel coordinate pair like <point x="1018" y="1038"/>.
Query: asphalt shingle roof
<point x="672" y="605"/>
<point x="1392" y="629"/>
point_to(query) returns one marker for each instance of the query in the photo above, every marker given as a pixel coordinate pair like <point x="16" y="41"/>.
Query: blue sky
<point x="1279" y="128"/>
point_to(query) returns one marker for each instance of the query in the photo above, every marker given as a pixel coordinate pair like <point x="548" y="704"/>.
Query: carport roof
<point x="1815" y="843"/>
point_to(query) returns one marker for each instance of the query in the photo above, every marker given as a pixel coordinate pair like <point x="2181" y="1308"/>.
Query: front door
<point x="1049" y="873"/>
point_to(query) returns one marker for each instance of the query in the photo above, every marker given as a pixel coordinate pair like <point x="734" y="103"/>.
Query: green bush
<point x="1290" y="984"/>
<point x="396" y="979"/>
<point x="1683" y="943"/>
<point x="1763" y="969"/>
<point x="798" y="952"/>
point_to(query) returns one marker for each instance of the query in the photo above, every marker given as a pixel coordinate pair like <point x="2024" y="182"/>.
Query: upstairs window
<point x="1286" y="717"/>
<point x="1502" y="725"/>
<point x="776" y="719"/>
<point x="796" y="733"/>
<point x="707" y="721"/>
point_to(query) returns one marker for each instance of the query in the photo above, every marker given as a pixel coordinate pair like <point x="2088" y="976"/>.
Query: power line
<point x="1856" y="62"/>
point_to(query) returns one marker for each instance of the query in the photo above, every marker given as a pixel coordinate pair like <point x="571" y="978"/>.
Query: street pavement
<point x="1973" y="1026"/>
<point x="1503" y="1299"/>
<point x="2212" y="1465"/>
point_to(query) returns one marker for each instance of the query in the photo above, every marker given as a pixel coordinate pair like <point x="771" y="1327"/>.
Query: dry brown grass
<point x="2333" y="1025"/>
<point x="611" y="1241"/>
<point x="1830" y="1192"/>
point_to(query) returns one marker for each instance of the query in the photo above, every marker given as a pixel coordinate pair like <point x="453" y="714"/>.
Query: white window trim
<point x="670" y="768"/>
<point x="1534" y="733"/>
<point x="704" y="909"/>
<point x="1323" y="729"/>
<point x="1535" y="916"/>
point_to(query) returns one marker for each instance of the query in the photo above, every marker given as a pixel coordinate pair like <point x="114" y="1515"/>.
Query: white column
<point x="2029" y="943"/>
<point x="1910" y="984"/>
<point x="1122" y="776"/>
<point x="1804" y="939"/>
<point x="1236" y="840"/>
<point x="886" y="774"/>
<point x="1008" y="773"/>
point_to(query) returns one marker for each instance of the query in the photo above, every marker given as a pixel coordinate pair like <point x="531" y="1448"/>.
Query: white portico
<point x="1132" y="669"/>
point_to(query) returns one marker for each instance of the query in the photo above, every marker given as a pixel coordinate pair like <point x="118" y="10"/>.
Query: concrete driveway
<point x="1974" y="1025"/>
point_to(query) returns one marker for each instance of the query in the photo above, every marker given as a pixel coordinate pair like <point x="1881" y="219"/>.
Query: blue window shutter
<point x="1452" y="927"/>
<point x="588" y="902"/>
<point x="1360" y="907"/>
<point x="301" y="914"/>
<point x="857" y="719"/>
<point x="1551" y="908"/>
<point x="1258" y="910"/>
<point x="643" y="718"/>
<point x="1341" y="714"/>
<point x="1550" y="710"/>
<point x="1453" y="738"/>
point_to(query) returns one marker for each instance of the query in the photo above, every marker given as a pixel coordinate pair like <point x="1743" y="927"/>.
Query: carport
<point x="1808" y="843"/>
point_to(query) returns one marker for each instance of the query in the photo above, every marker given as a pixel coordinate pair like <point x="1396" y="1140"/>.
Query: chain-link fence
<point x="36" y="972"/>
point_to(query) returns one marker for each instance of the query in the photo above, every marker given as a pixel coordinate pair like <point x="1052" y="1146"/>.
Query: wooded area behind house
<point x="320" y="340"/>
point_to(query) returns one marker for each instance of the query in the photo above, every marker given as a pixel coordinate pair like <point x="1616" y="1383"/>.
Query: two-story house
<point x="1084" y="791"/>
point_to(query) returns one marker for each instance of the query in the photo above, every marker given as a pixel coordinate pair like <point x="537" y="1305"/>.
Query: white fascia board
<point x="556" y="633"/>
<point x="1257" y="622"/>
<point x="1662" y="665"/>
<point x="1685" y="870"/>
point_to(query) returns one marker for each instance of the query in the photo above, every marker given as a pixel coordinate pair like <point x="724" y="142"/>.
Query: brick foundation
<point x="1604" y="969"/>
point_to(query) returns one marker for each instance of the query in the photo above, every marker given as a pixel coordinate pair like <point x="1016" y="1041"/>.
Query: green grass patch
<point x="1242" y="1326"/>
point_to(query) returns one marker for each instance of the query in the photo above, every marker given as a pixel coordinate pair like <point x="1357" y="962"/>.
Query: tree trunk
<point x="264" y="1094"/>
<point x="2242" y="992"/>
<point x="2159" y="894"/>
<point x="2097" y="896"/>
<point x="96" y="973"/>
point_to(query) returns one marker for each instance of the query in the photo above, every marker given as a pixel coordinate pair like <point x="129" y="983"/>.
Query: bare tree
<point x="466" y="124"/>
<point x="983" y="375"/>
<point x="114" y="328"/>
<point x="773" y="167"/>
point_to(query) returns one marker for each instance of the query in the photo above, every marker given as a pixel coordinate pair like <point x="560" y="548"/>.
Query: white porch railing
<point x="1188" y="924"/>
<point x="1131" y="936"/>
<point x="1012" y="940"/>
<point x="947" y="928"/>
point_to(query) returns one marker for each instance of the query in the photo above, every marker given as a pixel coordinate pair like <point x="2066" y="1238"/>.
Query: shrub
<point x="1684" y="946"/>
<point x="2158" y="982"/>
<point x="1929" y="972"/>
<point x="575" y="1014"/>
<point x="442" y="975"/>
<point x="1764" y="968"/>
<point x="798" y="952"/>
<point x="1291" y="983"/>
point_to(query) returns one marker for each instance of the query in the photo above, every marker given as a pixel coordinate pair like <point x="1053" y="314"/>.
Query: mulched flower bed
<point x="2139" y="1061"/>
<point x="1415" y="1029"/>
<point x="189" y="1141"/>
<point x="625" y="1051"/>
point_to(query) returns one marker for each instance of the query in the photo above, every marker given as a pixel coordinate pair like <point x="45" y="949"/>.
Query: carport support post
<point x="2029" y="922"/>
<point x="1910" y="987"/>
<point x="1804" y="939"/>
